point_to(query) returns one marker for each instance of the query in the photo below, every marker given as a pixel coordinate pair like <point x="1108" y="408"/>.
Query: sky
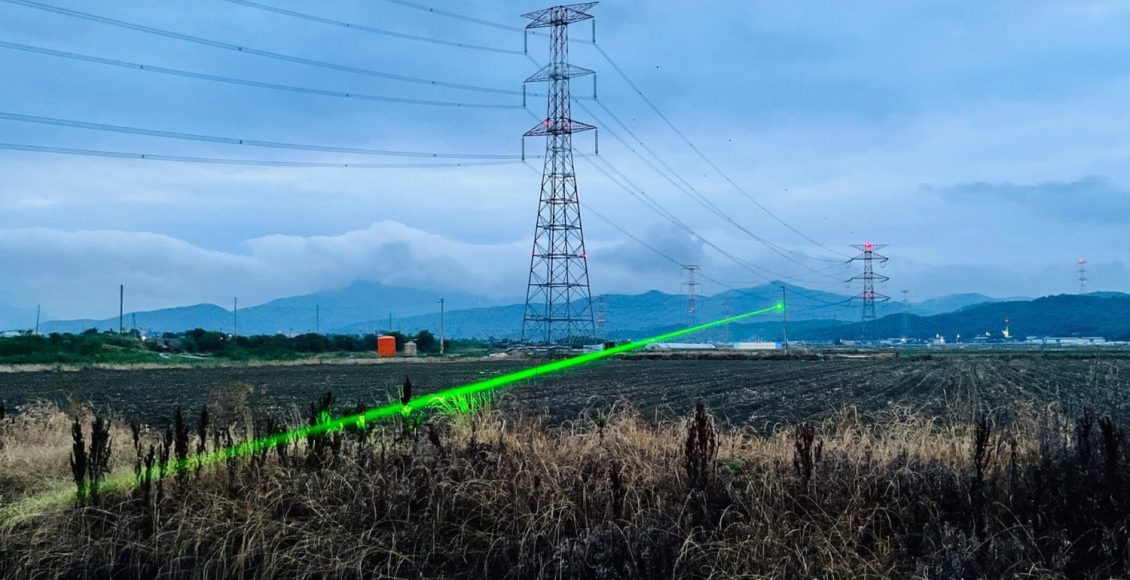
<point x="985" y="143"/>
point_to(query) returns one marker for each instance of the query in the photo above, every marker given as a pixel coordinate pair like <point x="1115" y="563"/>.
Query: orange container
<point x="386" y="346"/>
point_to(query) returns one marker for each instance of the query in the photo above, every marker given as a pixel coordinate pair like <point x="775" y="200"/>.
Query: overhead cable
<point x="702" y="155"/>
<point x="246" y="142"/>
<point x="245" y="82"/>
<point x="258" y="52"/>
<point x="455" y="15"/>
<point x="254" y="162"/>
<point x="371" y="29"/>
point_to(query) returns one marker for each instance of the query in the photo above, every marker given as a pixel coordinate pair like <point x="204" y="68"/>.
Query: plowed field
<point x="757" y="393"/>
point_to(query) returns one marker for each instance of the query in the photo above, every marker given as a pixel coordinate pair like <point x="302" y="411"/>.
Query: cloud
<point x="1090" y="200"/>
<point x="625" y="266"/>
<point x="666" y="239"/>
<point x="76" y="273"/>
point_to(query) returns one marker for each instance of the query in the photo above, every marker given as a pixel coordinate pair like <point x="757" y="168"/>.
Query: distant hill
<point x="15" y="318"/>
<point x="331" y="311"/>
<point x="943" y="304"/>
<point x="816" y="315"/>
<point x="653" y="312"/>
<point x="181" y="318"/>
<point x="1099" y="314"/>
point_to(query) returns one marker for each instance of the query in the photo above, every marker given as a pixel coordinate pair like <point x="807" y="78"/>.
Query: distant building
<point x="680" y="346"/>
<point x="757" y="345"/>
<point x="1066" y="340"/>
<point x="599" y="347"/>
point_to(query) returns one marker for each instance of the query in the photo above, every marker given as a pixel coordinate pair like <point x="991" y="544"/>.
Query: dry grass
<point x="497" y="496"/>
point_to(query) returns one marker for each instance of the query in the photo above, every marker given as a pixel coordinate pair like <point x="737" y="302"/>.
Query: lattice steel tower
<point x="558" y="303"/>
<point x="692" y="286"/>
<point x="601" y="317"/>
<point x="869" y="296"/>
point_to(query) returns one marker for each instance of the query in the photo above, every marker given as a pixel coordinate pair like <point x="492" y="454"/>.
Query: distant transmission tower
<point x="601" y="316"/>
<point x="869" y="297"/>
<point x="558" y="303"/>
<point x="905" y="314"/>
<point x="1082" y="275"/>
<point x="727" y="312"/>
<point x="692" y="287"/>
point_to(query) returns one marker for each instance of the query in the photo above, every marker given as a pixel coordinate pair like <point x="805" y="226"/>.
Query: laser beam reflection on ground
<point x="126" y="480"/>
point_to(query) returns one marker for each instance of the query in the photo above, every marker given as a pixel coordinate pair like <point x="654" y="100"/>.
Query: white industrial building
<point x="680" y="346"/>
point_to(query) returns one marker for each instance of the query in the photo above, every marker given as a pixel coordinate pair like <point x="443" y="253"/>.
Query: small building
<point x="679" y="346"/>
<point x="1065" y="341"/>
<point x="757" y="345"/>
<point x="386" y="346"/>
<point x="410" y="348"/>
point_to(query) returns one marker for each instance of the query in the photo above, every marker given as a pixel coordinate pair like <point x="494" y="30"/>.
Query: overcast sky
<point x="985" y="142"/>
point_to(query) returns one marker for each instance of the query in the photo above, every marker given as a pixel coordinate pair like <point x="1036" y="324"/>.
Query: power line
<point x="455" y="15"/>
<point x="637" y="192"/>
<point x="704" y="157"/>
<point x="245" y="142"/>
<point x="690" y="191"/>
<point x="218" y="161"/>
<point x="647" y="200"/>
<point x="370" y="29"/>
<point x="257" y="52"/>
<point x="653" y="107"/>
<point x="687" y="189"/>
<point x="245" y="82"/>
<point x="589" y="209"/>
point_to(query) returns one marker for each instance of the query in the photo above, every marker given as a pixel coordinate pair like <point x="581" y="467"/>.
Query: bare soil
<point x="761" y="394"/>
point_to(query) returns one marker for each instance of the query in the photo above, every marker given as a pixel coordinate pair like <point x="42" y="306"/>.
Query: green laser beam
<point x="126" y="479"/>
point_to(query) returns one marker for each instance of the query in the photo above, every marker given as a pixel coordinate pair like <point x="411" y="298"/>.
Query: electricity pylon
<point x="692" y="287"/>
<point x="869" y="296"/>
<point x="558" y="302"/>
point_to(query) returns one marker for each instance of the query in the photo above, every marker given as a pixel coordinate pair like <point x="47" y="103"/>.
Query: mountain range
<point x="364" y="307"/>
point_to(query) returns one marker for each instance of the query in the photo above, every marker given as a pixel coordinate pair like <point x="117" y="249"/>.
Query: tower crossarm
<point x="556" y="71"/>
<point x="557" y="127"/>
<point x="559" y="15"/>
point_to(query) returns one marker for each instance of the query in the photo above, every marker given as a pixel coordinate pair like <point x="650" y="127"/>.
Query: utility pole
<point x="1082" y="275"/>
<point x="389" y="323"/>
<point x="441" y="328"/>
<point x="37" y="307"/>
<point x="121" y="309"/>
<point x="317" y="319"/>
<point x="235" y="317"/>
<point x="692" y="286"/>
<point x="558" y="303"/>
<point x="785" y="315"/>
<point x="869" y="297"/>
